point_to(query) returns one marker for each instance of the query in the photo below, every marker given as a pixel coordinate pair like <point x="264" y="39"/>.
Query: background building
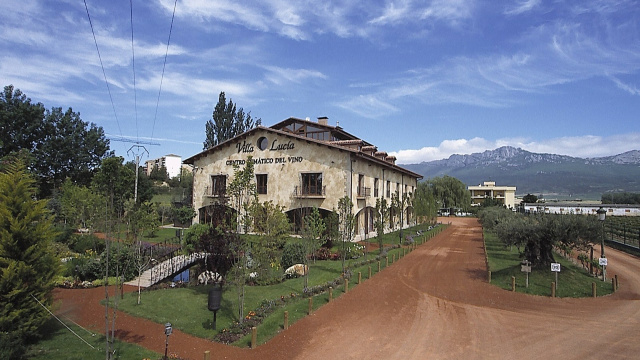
<point x="300" y="164"/>
<point x="503" y="194"/>
<point x="171" y="162"/>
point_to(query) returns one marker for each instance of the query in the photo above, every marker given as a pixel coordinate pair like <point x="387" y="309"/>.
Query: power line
<point x="102" y="66"/>
<point x="133" y="65"/>
<point x="163" y="67"/>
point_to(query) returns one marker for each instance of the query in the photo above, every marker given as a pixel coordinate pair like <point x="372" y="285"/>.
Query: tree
<point x="27" y="263"/>
<point x="530" y="199"/>
<point x="382" y="216"/>
<point x="346" y="222"/>
<point x="70" y="148"/>
<point x="62" y="145"/>
<point x="273" y="225"/>
<point x="80" y="206"/>
<point x="312" y="232"/>
<point x="227" y="122"/>
<point x="242" y="189"/>
<point x="115" y="181"/>
<point x="450" y="192"/>
<point x="424" y="203"/>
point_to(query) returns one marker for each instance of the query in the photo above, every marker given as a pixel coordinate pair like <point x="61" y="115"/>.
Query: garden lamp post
<point x="602" y="214"/>
<point x="167" y="331"/>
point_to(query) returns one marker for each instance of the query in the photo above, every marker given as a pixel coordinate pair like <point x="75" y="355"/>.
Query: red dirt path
<point x="434" y="303"/>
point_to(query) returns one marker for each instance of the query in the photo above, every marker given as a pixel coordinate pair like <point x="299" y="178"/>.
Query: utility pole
<point x="137" y="155"/>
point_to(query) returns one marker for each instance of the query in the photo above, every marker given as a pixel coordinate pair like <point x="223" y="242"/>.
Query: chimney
<point x="323" y="120"/>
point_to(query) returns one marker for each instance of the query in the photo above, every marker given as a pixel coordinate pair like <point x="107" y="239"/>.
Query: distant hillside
<point x="552" y="176"/>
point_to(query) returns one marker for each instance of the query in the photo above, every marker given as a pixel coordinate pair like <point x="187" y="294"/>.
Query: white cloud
<point x="522" y="6"/>
<point x="631" y="89"/>
<point x="578" y="146"/>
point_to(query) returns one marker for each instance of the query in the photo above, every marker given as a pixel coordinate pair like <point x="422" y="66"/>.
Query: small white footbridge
<point x="165" y="269"/>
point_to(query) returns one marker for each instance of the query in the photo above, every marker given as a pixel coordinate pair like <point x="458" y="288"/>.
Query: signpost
<point x="525" y="266"/>
<point x="603" y="262"/>
<point x="555" y="267"/>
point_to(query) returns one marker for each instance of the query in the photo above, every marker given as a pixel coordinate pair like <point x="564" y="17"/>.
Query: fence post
<point x="489" y="276"/>
<point x="553" y="289"/>
<point x="378" y="265"/>
<point x="513" y="283"/>
<point x="310" y="310"/>
<point x="286" y="320"/>
<point x="207" y="355"/>
<point x="594" y="290"/>
<point x="346" y="286"/>
<point x="254" y="337"/>
<point x="330" y="293"/>
<point x="369" y="273"/>
<point x="613" y="284"/>
<point x="359" y="277"/>
<point x="617" y="285"/>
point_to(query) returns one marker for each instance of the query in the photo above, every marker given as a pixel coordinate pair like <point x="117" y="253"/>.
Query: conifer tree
<point x="27" y="263"/>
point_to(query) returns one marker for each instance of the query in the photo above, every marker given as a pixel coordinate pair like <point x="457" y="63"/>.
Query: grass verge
<point x="573" y="281"/>
<point x="59" y="343"/>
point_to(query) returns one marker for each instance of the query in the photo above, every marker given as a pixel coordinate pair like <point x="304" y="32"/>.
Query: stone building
<point x="302" y="164"/>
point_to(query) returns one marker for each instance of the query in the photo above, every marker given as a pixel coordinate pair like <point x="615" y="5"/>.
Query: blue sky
<point x="420" y="79"/>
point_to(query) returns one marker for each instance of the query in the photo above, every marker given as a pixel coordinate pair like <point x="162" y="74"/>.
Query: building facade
<point x="301" y="164"/>
<point x="504" y="194"/>
<point x="171" y="162"/>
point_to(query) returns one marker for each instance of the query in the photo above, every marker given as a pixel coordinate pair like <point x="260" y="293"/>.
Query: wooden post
<point x="553" y="289"/>
<point x="378" y="266"/>
<point x="310" y="306"/>
<point x="513" y="283"/>
<point x="617" y="285"/>
<point x="613" y="284"/>
<point x="346" y="286"/>
<point x="359" y="277"/>
<point x="207" y="355"/>
<point x="286" y="320"/>
<point x="330" y="293"/>
<point x="393" y="259"/>
<point x="254" y="337"/>
<point x="594" y="290"/>
<point x="369" y="273"/>
<point x="387" y="261"/>
<point x="489" y="273"/>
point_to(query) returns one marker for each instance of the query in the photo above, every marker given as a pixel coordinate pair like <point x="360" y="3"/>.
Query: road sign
<point x="555" y="267"/>
<point x="602" y="261"/>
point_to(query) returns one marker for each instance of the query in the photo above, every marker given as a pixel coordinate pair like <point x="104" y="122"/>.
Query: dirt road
<point x="434" y="303"/>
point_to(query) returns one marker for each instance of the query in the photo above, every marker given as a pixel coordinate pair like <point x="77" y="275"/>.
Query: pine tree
<point x="27" y="263"/>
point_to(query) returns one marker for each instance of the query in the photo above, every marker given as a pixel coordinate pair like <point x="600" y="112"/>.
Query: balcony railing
<point x="364" y="192"/>
<point x="216" y="193"/>
<point x="309" y="191"/>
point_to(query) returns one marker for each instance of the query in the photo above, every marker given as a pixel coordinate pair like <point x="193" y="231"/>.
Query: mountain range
<point x="548" y="176"/>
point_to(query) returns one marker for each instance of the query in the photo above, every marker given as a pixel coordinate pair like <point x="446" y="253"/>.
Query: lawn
<point x="573" y="281"/>
<point x="186" y="308"/>
<point x="60" y="344"/>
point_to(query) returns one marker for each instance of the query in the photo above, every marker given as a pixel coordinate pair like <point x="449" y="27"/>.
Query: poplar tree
<point x="27" y="261"/>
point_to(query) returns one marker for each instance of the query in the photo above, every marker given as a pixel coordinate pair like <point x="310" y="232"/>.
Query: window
<point x="312" y="184"/>
<point x="361" y="185"/>
<point x="218" y="185"/>
<point x="375" y="187"/>
<point x="388" y="188"/>
<point x="261" y="182"/>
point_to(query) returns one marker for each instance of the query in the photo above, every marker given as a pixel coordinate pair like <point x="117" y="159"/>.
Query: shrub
<point x="323" y="253"/>
<point x="293" y="253"/>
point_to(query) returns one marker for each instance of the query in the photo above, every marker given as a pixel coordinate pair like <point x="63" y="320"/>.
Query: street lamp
<point x="602" y="214"/>
<point x="167" y="331"/>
